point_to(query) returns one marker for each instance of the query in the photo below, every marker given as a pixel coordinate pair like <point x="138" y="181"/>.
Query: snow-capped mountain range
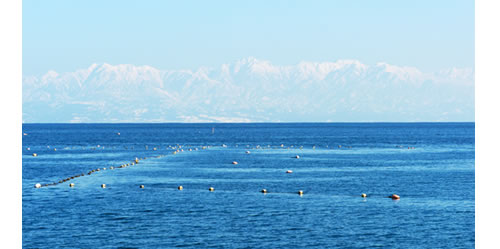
<point x="250" y="90"/>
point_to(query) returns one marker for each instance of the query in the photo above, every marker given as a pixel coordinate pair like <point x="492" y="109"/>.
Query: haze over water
<point x="430" y="165"/>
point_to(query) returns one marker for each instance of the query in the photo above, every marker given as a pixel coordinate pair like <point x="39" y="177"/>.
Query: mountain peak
<point x="250" y="89"/>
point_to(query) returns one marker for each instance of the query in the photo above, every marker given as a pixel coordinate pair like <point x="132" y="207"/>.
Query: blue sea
<point x="429" y="165"/>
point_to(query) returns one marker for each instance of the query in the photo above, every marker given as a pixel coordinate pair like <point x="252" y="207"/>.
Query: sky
<point x="65" y="35"/>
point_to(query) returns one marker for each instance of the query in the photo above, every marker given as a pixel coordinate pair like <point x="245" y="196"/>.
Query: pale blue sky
<point x="66" y="35"/>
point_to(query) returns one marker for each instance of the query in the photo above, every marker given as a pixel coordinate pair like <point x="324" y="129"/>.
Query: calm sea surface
<point x="430" y="165"/>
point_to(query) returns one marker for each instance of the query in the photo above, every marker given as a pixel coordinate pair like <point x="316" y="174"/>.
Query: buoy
<point x="289" y="171"/>
<point x="25" y="134"/>
<point x="234" y="162"/>
<point x="300" y="192"/>
<point x="248" y="152"/>
<point x="118" y="133"/>
<point x="394" y="197"/>
<point x="28" y="148"/>
<point x="34" y="154"/>
<point x="103" y="185"/>
<point x="297" y="156"/>
<point x="71" y="185"/>
<point x="263" y="190"/>
<point x="180" y="188"/>
<point x="142" y="186"/>
<point x="211" y="189"/>
<point x="136" y="160"/>
<point x="55" y="149"/>
<point x="363" y="195"/>
<point x="38" y="185"/>
<point x="111" y="167"/>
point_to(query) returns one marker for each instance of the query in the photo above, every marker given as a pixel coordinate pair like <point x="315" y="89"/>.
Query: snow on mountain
<point x="250" y="90"/>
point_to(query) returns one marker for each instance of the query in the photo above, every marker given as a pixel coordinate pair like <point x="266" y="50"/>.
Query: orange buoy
<point x="234" y="162"/>
<point x="394" y="197"/>
<point x="289" y="171"/>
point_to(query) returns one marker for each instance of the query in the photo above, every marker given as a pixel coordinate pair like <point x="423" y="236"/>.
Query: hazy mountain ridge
<point x="250" y="90"/>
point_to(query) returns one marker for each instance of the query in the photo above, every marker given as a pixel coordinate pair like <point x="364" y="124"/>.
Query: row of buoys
<point x="211" y="189"/>
<point x="203" y="147"/>
<point x="136" y="161"/>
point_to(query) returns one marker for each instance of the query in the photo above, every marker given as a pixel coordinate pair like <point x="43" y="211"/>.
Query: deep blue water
<point x="338" y="162"/>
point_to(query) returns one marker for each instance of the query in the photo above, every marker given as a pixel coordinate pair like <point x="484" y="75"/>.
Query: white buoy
<point x="71" y="185"/>
<point x="34" y="154"/>
<point x="38" y="185"/>
<point x="248" y="152"/>
<point x="234" y="162"/>
<point x="289" y="171"/>
<point x="297" y="156"/>
<point x="103" y="185"/>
